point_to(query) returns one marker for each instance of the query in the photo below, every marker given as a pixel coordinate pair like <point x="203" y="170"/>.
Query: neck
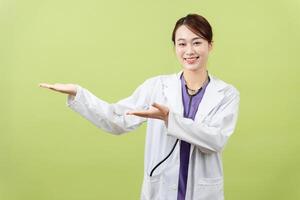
<point x="195" y="79"/>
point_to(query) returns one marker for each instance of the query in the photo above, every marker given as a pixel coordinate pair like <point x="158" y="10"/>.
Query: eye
<point x="181" y="44"/>
<point x="197" y="43"/>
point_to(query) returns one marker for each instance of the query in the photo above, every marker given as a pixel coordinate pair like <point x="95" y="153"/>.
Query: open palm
<point x="157" y="111"/>
<point x="58" y="87"/>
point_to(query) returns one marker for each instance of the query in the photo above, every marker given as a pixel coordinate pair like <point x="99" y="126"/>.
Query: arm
<point x="111" y="117"/>
<point x="211" y="136"/>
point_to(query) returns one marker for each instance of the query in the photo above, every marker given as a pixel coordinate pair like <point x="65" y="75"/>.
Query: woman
<point x="190" y="116"/>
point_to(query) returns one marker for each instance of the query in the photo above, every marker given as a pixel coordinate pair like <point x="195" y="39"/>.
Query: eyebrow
<point x="195" y="38"/>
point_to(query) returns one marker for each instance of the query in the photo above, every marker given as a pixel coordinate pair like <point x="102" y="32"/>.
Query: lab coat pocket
<point x="209" y="189"/>
<point x="151" y="187"/>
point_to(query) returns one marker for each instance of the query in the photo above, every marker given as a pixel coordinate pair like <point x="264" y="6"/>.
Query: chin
<point x="192" y="67"/>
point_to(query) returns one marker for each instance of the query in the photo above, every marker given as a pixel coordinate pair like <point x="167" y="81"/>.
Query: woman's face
<point x="191" y="50"/>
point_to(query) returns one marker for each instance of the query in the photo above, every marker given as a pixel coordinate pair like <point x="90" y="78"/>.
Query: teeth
<point x="191" y="58"/>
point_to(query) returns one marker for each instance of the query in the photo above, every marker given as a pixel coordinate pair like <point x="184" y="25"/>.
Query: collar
<point x="184" y="85"/>
<point x="212" y="96"/>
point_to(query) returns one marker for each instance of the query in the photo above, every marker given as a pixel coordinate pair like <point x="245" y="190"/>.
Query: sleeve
<point x="111" y="118"/>
<point x="209" y="136"/>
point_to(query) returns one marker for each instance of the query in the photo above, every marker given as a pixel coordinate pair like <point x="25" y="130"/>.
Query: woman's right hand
<point x="63" y="88"/>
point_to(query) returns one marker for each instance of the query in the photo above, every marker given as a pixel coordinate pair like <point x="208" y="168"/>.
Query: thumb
<point x="159" y="107"/>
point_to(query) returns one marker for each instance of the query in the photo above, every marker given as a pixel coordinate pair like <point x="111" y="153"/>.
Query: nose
<point x="189" y="50"/>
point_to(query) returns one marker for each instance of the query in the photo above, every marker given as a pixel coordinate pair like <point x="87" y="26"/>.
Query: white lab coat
<point x="214" y="122"/>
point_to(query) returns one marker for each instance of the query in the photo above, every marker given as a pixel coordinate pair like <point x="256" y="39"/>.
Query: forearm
<point x="211" y="135"/>
<point x="109" y="117"/>
<point x="208" y="139"/>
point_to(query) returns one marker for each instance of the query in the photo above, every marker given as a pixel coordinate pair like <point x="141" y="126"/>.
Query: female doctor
<point x="190" y="116"/>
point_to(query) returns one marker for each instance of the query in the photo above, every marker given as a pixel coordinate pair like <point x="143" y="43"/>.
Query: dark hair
<point x="197" y="24"/>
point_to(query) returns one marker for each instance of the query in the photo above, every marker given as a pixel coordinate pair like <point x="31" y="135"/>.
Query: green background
<point x="48" y="152"/>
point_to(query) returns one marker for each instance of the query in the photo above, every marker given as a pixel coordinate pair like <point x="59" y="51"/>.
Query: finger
<point x="140" y="114"/>
<point x="147" y="116"/>
<point x="163" y="109"/>
<point x="133" y="112"/>
<point x="130" y="113"/>
<point x="159" y="107"/>
<point x="144" y="114"/>
<point x="148" y="111"/>
<point x="45" y="85"/>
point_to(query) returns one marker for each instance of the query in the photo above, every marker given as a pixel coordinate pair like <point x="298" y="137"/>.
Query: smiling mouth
<point x="191" y="59"/>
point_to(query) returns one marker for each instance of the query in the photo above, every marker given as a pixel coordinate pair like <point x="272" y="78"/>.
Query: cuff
<point x="171" y="125"/>
<point x="72" y="100"/>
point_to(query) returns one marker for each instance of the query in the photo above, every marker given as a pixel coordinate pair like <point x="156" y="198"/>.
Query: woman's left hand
<point x="157" y="111"/>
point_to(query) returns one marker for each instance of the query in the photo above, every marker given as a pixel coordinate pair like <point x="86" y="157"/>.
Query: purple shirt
<point x="190" y="105"/>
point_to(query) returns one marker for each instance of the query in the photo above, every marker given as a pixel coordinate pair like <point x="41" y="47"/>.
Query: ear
<point x="210" y="46"/>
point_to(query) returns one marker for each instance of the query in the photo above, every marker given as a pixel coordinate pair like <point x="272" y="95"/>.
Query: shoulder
<point x="228" y="89"/>
<point x="159" y="79"/>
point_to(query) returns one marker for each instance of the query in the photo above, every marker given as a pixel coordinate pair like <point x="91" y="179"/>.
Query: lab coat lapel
<point x="212" y="95"/>
<point x="172" y="92"/>
<point x="211" y="98"/>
